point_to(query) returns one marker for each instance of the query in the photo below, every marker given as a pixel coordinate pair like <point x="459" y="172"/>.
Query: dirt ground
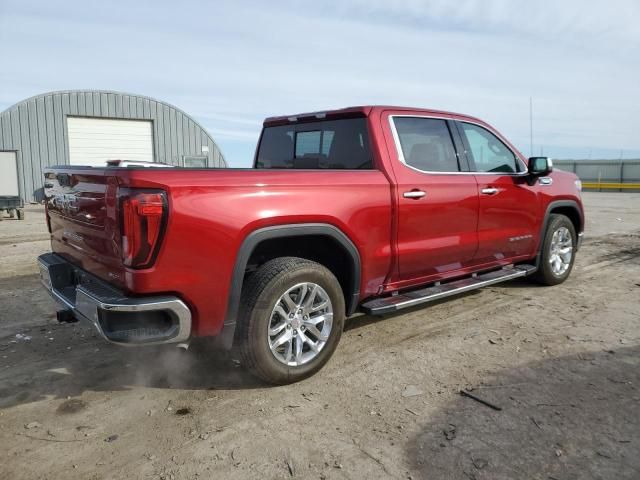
<point x="561" y="362"/>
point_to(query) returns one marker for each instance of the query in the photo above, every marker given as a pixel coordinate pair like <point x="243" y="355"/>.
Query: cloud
<point x="232" y="64"/>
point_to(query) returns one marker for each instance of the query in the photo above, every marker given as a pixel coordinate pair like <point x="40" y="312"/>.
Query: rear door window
<point x="426" y="144"/>
<point x="332" y="144"/>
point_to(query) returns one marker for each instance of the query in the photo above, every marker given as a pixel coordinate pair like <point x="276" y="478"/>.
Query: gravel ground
<point x="561" y="363"/>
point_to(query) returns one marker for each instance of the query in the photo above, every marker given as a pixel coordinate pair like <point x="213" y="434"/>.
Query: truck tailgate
<point x="83" y="219"/>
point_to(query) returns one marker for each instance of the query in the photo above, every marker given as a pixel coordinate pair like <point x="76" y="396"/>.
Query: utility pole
<point x="531" y="124"/>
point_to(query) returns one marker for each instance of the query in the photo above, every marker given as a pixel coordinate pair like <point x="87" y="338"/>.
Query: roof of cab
<point x="354" y="112"/>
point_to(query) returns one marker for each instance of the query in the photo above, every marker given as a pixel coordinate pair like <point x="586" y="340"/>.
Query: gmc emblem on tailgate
<point x="68" y="204"/>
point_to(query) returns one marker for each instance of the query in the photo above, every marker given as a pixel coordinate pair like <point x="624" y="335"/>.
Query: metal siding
<point x="214" y="154"/>
<point x="132" y="107"/>
<point x="88" y="104"/>
<point x="139" y="108"/>
<point x="119" y="106"/>
<point x="631" y="172"/>
<point x="599" y="171"/>
<point x="51" y="130"/>
<point x="37" y="129"/>
<point x="73" y="103"/>
<point x="160" y="133"/>
<point x="125" y="106"/>
<point x="5" y="137"/>
<point x="209" y="145"/>
<point x="174" y="137"/>
<point x="192" y="138"/>
<point x="104" y="107"/>
<point x="65" y="113"/>
<point x="97" y="104"/>
<point x="26" y="150"/>
<point x="166" y="134"/>
<point x="42" y="139"/>
<point x="179" y="141"/>
<point x="145" y="108"/>
<point x="111" y="104"/>
<point x="82" y="110"/>
<point x="152" y="112"/>
<point x="204" y="143"/>
<point x="33" y="142"/>
<point x="185" y="136"/>
<point x="594" y="171"/>
<point x="57" y="113"/>
<point x="16" y="142"/>
<point x="197" y="149"/>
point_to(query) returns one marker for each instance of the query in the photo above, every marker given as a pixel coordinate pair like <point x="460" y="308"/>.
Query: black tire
<point x="20" y="214"/>
<point x="545" y="274"/>
<point x="259" y="296"/>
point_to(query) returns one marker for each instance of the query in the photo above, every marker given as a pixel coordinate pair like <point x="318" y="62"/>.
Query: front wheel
<point x="558" y="251"/>
<point x="291" y="319"/>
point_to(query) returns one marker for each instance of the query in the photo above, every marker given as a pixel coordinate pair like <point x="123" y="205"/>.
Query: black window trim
<point x="470" y="160"/>
<point x="461" y="153"/>
<point x="466" y="162"/>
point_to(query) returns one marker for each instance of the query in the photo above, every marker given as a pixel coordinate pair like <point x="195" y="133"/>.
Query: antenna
<point x="531" y="124"/>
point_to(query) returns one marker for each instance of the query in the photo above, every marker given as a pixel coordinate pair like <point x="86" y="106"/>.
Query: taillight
<point x="143" y="216"/>
<point x="47" y="216"/>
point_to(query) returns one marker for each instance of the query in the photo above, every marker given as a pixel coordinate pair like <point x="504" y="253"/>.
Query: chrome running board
<point x="384" y="305"/>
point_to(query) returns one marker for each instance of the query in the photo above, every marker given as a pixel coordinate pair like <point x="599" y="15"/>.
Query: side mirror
<point x="540" y="166"/>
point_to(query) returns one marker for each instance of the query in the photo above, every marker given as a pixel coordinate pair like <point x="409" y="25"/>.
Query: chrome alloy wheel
<point x="300" y="324"/>
<point x="561" y="251"/>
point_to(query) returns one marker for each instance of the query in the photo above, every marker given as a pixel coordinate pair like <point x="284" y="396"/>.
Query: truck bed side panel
<point x="212" y="211"/>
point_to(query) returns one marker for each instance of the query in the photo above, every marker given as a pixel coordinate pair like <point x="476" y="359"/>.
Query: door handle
<point x="415" y="194"/>
<point x="489" y="191"/>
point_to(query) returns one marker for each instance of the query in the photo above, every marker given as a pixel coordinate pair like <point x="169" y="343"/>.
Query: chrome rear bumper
<point x="118" y="318"/>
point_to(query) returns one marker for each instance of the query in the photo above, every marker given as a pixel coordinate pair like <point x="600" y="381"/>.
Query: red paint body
<point x="402" y="242"/>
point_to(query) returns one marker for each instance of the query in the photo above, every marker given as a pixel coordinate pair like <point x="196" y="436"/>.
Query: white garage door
<point x="93" y="141"/>
<point x="8" y="174"/>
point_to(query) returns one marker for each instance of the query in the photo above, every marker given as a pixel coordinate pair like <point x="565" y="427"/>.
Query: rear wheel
<point x="558" y="251"/>
<point x="20" y="214"/>
<point x="291" y="319"/>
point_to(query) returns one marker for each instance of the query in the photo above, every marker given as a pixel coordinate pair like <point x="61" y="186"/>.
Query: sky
<point x="231" y="64"/>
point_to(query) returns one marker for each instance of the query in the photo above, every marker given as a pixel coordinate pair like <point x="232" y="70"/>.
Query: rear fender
<point x="281" y="231"/>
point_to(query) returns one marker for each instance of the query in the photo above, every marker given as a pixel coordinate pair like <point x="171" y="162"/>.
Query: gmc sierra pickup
<point x="366" y="209"/>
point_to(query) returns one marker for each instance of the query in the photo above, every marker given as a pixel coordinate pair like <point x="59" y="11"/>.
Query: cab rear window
<point x="332" y="144"/>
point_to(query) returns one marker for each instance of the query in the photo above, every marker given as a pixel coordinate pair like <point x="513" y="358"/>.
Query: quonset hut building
<point x="87" y="127"/>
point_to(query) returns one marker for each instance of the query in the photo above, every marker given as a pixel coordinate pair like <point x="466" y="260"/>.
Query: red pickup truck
<point x="366" y="209"/>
